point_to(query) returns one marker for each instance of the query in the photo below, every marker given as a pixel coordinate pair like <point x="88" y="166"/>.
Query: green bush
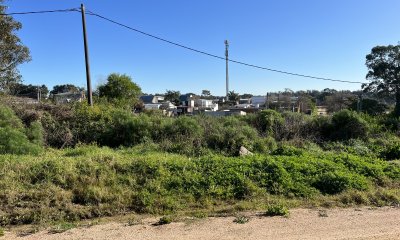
<point x="347" y="125"/>
<point x="13" y="139"/>
<point x="271" y="122"/>
<point x="35" y="133"/>
<point x="337" y="182"/>
<point x="9" y="119"/>
<point x="391" y="152"/>
<point x="277" y="210"/>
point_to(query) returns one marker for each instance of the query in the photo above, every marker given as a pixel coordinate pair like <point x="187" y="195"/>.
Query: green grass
<point x="89" y="182"/>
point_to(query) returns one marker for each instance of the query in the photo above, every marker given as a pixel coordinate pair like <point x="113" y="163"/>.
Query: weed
<point x="322" y="213"/>
<point x="241" y="219"/>
<point x="1" y="232"/>
<point x="134" y="221"/>
<point x="277" y="210"/>
<point x="62" y="227"/>
<point x="164" y="220"/>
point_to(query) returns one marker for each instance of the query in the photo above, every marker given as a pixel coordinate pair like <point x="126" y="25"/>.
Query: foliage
<point x="119" y="87"/>
<point x="271" y="122"/>
<point x="14" y="139"/>
<point x="206" y="93"/>
<point x="172" y="96"/>
<point x="370" y="106"/>
<point x="240" y="219"/>
<point x="233" y="97"/>
<point x="12" y="51"/>
<point x="165" y="220"/>
<point x="383" y="64"/>
<point x="277" y="210"/>
<point x="30" y="90"/>
<point x="65" y="88"/>
<point x="88" y="181"/>
<point x="346" y="125"/>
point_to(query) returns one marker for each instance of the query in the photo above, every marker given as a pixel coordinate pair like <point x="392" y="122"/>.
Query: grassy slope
<point x="88" y="181"/>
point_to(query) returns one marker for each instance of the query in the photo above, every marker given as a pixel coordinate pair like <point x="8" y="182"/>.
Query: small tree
<point x="384" y="73"/>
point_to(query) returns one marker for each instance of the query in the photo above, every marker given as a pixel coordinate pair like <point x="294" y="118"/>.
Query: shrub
<point x="277" y="210"/>
<point x="165" y="220"/>
<point x="295" y="126"/>
<point x="13" y="139"/>
<point x="391" y="152"/>
<point x="9" y="119"/>
<point x="35" y="133"/>
<point x="265" y="145"/>
<point x="337" y="182"/>
<point x="271" y="122"/>
<point x="347" y="124"/>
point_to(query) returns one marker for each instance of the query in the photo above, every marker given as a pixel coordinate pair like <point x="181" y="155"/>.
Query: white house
<point x="206" y="104"/>
<point x="258" y="100"/>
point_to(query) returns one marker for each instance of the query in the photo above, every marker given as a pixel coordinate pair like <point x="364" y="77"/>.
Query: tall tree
<point x="121" y="87"/>
<point x="12" y="51"/>
<point x="384" y="72"/>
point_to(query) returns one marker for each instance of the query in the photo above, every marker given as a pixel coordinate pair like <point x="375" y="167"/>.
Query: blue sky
<point x="322" y="38"/>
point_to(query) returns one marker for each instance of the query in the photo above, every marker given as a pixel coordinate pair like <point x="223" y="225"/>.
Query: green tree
<point x="233" y="97"/>
<point x="383" y="64"/>
<point x="172" y="96"/>
<point x="12" y="51"/>
<point x="120" y="87"/>
<point x="64" y="88"/>
<point x="370" y="106"/>
<point x="206" y="93"/>
<point x="30" y="90"/>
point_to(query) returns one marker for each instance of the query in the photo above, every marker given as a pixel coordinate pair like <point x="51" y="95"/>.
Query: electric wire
<point x="216" y="56"/>
<point x="39" y="12"/>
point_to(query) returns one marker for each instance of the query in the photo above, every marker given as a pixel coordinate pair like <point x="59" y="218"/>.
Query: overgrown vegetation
<point x="111" y="161"/>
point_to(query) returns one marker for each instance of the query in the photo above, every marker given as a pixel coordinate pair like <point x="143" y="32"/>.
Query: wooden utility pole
<point x="89" y="85"/>
<point x="227" y="72"/>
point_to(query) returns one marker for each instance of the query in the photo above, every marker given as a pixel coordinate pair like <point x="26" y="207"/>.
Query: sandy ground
<point x="364" y="223"/>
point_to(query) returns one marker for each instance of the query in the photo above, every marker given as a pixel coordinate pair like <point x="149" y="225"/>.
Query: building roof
<point x="147" y="98"/>
<point x="185" y="97"/>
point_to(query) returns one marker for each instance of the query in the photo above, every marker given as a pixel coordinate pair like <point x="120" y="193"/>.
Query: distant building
<point x="151" y="99"/>
<point x="187" y="104"/>
<point x="225" y="113"/>
<point x="322" y="110"/>
<point x="258" y="100"/>
<point x="205" y="104"/>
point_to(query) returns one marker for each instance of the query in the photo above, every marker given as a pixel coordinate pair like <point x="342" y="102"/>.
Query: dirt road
<point x="364" y="223"/>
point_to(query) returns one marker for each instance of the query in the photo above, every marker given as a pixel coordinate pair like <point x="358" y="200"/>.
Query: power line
<point x="215" y="56"/>
<point x="39" y="12"/>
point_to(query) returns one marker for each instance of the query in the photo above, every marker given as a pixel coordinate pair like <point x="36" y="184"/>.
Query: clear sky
<point x="326" y="38"/>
